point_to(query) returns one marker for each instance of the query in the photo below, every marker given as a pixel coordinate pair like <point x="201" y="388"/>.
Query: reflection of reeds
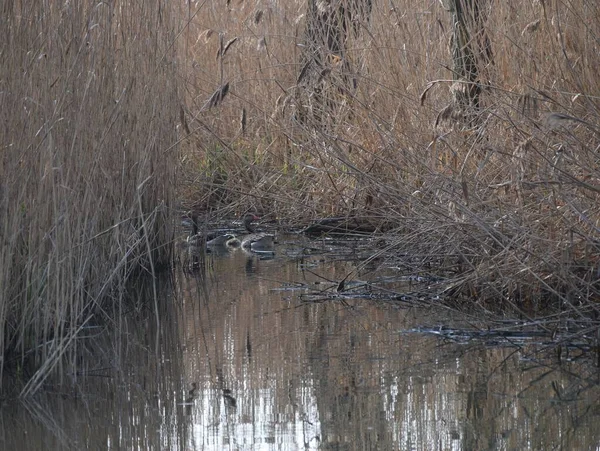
<point x="192" y="393"/>
<point x="230" y="401"/>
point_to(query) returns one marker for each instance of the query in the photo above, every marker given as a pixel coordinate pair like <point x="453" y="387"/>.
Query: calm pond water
<point x="246" y="353"/>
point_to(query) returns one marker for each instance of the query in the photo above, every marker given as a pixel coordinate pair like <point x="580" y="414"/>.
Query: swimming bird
<point x="221" y="240"/>
<point x="256" y="241"/>
<point x="197" y="239"/>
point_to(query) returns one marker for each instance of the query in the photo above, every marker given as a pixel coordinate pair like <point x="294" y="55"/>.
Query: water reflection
<point x="237" y="360"/>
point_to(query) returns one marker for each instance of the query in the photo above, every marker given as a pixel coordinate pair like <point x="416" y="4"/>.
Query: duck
<point x="197" y="239"/>
<point x="265" y="243"/>
<point x="254" y="241"/>
<point x="221" y="240"/>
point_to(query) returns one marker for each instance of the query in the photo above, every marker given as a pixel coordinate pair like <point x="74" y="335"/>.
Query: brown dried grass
<point x="89" y="103"/>
<point x="513" y="199"/>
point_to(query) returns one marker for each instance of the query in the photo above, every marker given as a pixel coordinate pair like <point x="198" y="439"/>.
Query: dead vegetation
<point x="376" y="123"/>
<point x="89" y="106"/>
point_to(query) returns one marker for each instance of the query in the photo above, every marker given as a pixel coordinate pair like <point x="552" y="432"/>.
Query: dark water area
<point x="261" y="352"/>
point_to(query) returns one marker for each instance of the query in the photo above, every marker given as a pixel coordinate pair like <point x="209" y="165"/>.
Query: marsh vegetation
<point x="87" y="171"/>
<point x="464" y="133"/>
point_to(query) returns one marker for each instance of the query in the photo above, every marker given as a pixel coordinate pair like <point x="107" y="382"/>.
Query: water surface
<point x="253" y="352"/>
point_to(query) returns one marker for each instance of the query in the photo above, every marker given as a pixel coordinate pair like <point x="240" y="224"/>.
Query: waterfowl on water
<point x="265" y="243"/>
<point x="197" y="239"/>
<point x="253" y="241"/>
<point x="221" y="240"/>
<point x="256" y="241"/>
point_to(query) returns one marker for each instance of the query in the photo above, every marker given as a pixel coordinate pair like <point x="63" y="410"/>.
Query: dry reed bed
<point x="509" y="200"/>
<point x="89" y="102"/>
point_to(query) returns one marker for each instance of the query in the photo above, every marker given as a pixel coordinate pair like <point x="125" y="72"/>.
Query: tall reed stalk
<point x="89" y="107"/>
